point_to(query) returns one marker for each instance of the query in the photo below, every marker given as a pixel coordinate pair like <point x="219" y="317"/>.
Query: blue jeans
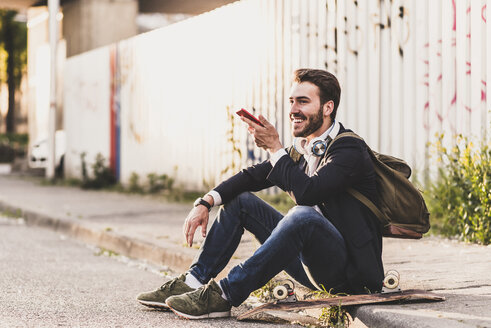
<point x="303" y="243"/>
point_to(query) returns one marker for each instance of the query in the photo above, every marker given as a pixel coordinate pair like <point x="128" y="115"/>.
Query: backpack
<point x="402" y="211"/>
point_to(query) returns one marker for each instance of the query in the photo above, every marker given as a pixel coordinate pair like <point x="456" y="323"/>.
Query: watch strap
<point x="201" y="201"/>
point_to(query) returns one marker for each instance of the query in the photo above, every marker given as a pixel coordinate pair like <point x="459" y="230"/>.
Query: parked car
<point x="39" y="152"/>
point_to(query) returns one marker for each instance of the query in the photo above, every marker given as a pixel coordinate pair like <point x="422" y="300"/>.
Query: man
<point x="329" y="238"/>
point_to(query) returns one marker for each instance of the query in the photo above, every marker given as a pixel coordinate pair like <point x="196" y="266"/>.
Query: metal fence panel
<point x="408" y="69"/>
<point x="86" y="109"/>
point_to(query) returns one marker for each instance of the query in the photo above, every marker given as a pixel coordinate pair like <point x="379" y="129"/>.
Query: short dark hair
<point x="327" y="83"/>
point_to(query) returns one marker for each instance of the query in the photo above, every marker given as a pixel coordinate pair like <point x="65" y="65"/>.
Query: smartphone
<point x="248" y="115"/>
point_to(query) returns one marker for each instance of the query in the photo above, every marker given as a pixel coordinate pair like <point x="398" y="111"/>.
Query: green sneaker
<point x="204" y="302"/>
<point x="157" y="298"/>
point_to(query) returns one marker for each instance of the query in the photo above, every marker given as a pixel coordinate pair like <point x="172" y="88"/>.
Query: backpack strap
<point x="368" y="203"/>
<point x="342" y="135"/>
<point x="355" y="193"/>
<point x="294" y="154"/>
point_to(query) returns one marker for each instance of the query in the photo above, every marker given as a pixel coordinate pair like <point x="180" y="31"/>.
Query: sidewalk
<point x="144" y="227"/>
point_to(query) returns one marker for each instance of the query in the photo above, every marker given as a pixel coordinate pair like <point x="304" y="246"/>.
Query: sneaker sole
<point x="154" y="304"/>
<point x="225" y="314"/>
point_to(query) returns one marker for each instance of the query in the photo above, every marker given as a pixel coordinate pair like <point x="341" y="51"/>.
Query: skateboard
<point x="391" y="292"/>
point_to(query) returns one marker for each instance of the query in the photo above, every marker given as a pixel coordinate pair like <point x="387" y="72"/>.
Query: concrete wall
<point x="89" y="24"/>
<point x="38" y="81"/>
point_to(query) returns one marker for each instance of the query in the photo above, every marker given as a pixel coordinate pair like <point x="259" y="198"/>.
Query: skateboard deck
<point x="408" y="295"/>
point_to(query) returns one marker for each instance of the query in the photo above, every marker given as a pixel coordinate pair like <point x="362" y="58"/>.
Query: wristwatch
<point x="201" y="201"/>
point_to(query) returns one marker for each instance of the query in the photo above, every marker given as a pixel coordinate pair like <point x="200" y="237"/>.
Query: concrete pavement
<point x="48" y="280"/>
<point x="148" y="228"/>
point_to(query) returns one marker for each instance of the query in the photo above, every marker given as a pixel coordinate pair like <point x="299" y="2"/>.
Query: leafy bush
<point x="12" y="145"/>
<point x="103" y="176"/>
<point x="7" y="154"/>
<point x="460" y="198"/>
<point x="15" y="139"/>
<point x="158" y="183"/>
<point x="134" y="184"/>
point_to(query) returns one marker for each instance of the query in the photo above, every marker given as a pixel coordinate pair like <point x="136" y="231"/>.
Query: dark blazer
<point x="346" y="164"/>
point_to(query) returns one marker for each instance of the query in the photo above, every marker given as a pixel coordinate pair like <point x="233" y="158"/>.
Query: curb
<point x="171" y="255"/>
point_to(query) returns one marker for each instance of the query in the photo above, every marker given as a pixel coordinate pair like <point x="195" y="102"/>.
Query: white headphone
<point x="319" y="146"/>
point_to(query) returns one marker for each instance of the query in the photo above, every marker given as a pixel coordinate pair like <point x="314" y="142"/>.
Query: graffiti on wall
<point x="451" y="103"/>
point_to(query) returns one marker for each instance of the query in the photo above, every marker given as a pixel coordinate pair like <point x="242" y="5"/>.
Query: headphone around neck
<point x="319" y="146"/>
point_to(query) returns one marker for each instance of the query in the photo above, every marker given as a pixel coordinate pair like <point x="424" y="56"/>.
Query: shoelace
<point x="169" y="284"/>
<point x="203" y="294"/>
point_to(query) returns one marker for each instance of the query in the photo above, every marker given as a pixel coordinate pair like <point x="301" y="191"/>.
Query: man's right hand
<point x="198" y="216"/>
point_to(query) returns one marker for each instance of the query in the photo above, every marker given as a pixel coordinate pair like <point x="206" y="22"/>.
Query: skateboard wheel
<point x="391" y="281"/>
<point x="280" y="292"/>
<point x="393" y="272"/>
<point x="288" y="284"/>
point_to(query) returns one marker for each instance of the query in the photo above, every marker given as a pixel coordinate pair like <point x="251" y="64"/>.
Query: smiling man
<point x="329" y="239"/>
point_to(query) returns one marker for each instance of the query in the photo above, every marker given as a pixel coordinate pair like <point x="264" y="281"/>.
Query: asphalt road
<point x="49" y="280"/>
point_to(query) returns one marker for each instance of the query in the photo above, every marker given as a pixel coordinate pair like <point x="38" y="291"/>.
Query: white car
<point x="38" y="156"/>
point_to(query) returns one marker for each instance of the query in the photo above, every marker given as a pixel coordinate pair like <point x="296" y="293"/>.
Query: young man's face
<point x="306" y="112"/>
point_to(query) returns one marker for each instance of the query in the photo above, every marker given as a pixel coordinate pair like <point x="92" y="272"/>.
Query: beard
<point x="314" y="122"/>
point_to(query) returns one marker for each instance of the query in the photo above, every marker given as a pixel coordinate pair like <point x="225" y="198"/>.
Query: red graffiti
<point x="483" y="14"/>
<point x="468" y="65"/>
<point x="483" y="91"/>
<point x="427" y="105"/>
<point x="454" y="100"/>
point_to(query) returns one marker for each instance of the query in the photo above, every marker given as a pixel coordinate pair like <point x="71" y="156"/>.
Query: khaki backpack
<point x="402" y="210"/>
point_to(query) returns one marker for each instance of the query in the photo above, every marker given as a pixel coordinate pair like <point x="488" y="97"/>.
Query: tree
<point x="13" y="40"/>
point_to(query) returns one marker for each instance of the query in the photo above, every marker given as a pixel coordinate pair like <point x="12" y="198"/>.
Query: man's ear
<point x="328" y="108"/>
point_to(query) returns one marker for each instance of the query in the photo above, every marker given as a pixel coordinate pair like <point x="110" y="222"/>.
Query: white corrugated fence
<point x="162" y="102"/>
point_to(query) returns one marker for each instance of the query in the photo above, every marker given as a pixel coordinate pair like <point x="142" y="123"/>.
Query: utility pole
<point x="53" y="8"/>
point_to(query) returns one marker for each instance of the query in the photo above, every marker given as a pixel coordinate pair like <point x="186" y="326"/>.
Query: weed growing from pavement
<point x="158" y="183"/>
<point x="134" y="185"/>
<point x="105" y="252"/>
<point x="102" y="178"/>
<point x="333" y="316"/>
<point x="102" y="175"/>
<point x="196" y="245"/>
<point x="17" y="214"/>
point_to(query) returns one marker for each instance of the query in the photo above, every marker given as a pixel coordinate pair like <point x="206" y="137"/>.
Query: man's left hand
<point x="265" y="137"/>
